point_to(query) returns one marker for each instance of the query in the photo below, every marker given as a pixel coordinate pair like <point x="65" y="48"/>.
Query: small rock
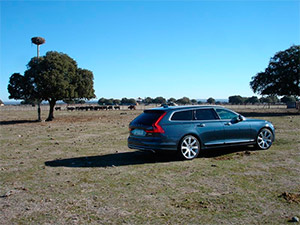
<point x="19" y="135"/>
<point x="7" y="194"/>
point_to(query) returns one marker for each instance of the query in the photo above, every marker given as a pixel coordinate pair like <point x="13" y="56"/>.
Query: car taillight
<point x="156" y="127"/>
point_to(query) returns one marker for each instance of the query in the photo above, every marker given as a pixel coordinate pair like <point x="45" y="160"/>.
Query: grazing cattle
<point x="117" y="107"/>
<point x="132" y="107"/>
<point x="109" y="107"/>
<point x="70" y="108"/>
<point x="58" y="108"/>
<point x="96" y="108"/>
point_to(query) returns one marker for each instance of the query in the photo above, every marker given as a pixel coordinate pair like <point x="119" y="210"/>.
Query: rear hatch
<point x="147" y="124"/>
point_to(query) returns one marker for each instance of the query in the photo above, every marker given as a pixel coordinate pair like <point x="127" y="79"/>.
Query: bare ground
<point x="78" y="169"/>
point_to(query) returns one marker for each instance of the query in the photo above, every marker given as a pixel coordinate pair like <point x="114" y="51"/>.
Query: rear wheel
<point x="264" y="139"/>
<point x="189" y="147"/>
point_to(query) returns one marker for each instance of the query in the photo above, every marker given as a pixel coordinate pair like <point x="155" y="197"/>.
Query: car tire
<point x="189" y="147"/>
<point x="264" y="139"/>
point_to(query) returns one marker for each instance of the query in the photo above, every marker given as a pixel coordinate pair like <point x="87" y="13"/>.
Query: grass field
<point x="78" y="170"/>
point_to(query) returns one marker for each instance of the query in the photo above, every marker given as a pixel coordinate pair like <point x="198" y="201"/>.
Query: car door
<point x="209" y="128"/>
<point x="235" y="130"/>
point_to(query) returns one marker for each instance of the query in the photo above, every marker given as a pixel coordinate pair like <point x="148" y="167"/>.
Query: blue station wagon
<point x="188" y="129"/>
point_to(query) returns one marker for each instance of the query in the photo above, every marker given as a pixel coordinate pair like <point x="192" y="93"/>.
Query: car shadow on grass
<point x="138" y="158"/>
<point x="14" y="122"/>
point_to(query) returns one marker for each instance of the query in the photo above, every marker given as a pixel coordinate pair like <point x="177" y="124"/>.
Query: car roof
<point x="174" y="108"/>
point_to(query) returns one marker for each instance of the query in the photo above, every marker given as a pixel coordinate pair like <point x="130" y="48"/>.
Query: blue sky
<point x="197" y="49"/>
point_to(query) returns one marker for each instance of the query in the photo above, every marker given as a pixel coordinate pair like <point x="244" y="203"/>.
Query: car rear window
<point x="183" y="115"/>
<point x="205" y="114"/>
<point x="148" y="117"/>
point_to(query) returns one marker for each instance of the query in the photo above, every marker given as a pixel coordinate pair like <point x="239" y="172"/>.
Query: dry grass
<point x="78" y="169"/>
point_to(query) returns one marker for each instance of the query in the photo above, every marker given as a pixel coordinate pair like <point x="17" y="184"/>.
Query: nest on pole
<point x="38" y="40"/>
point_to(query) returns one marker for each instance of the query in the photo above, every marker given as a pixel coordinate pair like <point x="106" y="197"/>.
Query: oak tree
<point x="51" y="78"/>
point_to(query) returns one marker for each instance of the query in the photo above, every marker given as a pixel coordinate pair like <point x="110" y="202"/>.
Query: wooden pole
<point x="39" y="103"/>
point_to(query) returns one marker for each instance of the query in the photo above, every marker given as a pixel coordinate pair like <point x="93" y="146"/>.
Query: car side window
<point x="225" y="114"/>
<point x="183" y="115"/>
<point x="205" y="114"/>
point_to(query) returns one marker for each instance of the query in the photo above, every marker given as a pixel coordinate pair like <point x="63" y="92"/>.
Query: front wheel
<point x="264" y="139"/>
<point x="189" y="147"/>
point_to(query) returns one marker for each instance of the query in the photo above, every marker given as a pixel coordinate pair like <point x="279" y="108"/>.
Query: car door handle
<point x="227" y="124"/>
<point x="201" y="125"/>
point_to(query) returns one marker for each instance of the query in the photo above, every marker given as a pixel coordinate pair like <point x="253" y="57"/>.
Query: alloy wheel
<point x="264" y="139"/>
<point x="189" y="147"/>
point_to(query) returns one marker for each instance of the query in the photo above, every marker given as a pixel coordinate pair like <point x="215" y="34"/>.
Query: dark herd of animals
<point x="94" y="108"/>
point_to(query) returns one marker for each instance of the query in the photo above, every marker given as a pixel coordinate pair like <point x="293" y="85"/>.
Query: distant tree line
<point x="234" y="100"/>
<point x="157" y="100"/>
<point x="271" y="99"/>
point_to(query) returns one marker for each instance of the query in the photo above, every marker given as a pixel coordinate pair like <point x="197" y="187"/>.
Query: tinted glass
<point x="183" y="115"/>
<point x="205" y="114"/>
<point x="148" y="117"/>
<point x="225" y="114"/>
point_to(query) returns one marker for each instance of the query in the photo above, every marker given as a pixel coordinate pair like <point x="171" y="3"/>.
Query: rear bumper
<point x="150" y="145"/>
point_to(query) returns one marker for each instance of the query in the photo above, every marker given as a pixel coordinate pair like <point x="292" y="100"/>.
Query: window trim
<point x="194" y="116"/>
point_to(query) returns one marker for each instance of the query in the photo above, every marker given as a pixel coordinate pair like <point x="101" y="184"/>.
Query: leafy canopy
<point x="282" y="76"/>
<point x="52" y="77"/>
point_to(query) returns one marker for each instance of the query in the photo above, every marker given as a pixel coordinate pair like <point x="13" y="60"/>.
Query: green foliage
<point x="183" y="101"/>
<point x="28" y="102"/>
<point x="74" y="101"/>
<point x="286" y="99"/>
<point x="236" y="100"/>
<point x="282" y="76"/>
<point x="104" y="101"/>
<point x="148" y="100"/>
<point x="194" y="101"/>
<point x="159" y="100"/>
<point x="126" y="101"/>
<point x="171" y="100"/>
<point x="211" y="100"/>
<point x="252" y="100"/>
<point x="116" y="101"/>
<point x="52" y="77"/>
<point x="271" y="99"/>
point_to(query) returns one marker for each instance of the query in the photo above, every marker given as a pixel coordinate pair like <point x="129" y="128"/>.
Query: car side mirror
<point x="237" y="119"/>
<point x="240" y="118"/>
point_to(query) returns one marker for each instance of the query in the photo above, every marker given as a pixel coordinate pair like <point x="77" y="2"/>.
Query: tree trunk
<point x="39" y="111"/>
<point x="51" y="110"/>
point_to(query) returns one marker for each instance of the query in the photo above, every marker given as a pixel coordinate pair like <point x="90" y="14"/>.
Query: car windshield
<point x="148" y="117"/>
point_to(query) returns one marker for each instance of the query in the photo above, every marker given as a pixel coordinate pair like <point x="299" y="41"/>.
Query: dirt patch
<point x="290" y="197"/>
<point x="234" y="156"/>
<point x="192" y="204"/>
